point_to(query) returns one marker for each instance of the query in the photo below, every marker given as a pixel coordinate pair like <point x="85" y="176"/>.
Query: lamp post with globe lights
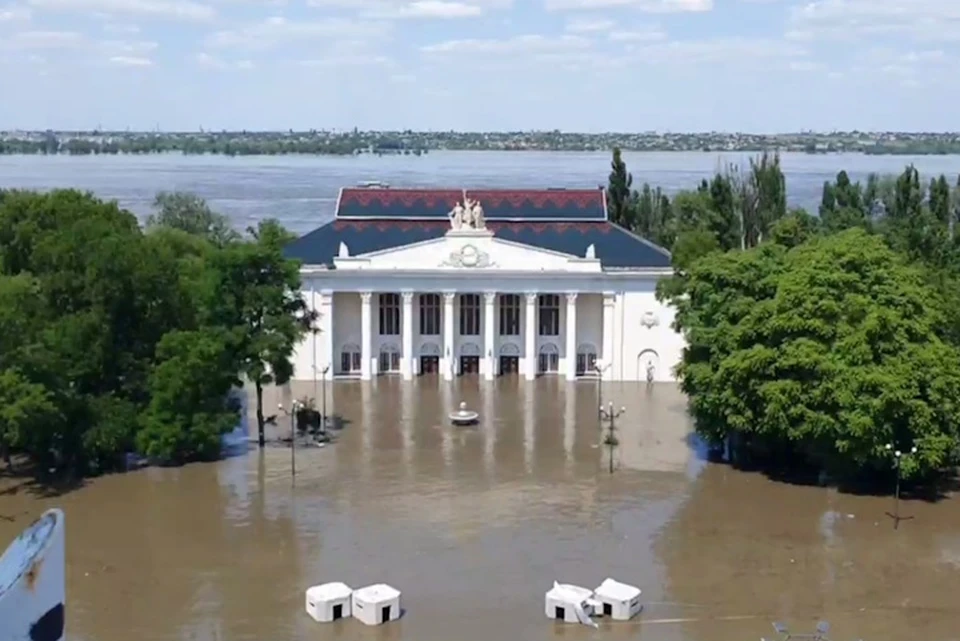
<point x="600" y="366"/>
<point x="897" y="462"/>
<point x="611" y="417"/>
<point x="294" y="409"/>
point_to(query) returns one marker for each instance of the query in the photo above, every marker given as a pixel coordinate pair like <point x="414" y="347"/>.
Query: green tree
<point x="619" y="192"/>
<point x="190" y="213"/>
<point x="820" y="355"/>
<point x="189" y="408"/>
<point x="257" y="295"/>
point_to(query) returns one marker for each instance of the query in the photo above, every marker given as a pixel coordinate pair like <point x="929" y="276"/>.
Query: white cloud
<point x="33" y="40"/>
<point x="14" y="13"/>
<point x="121" y="29"/>
<point x="425" y="9"/>
<point x="130" y="61"/>
<point x="171" y="9"/>
<point x="587" y="25"/>
<point x="717" y="51"/>
<point x="518" y="44"/>
<point x="348" y="60"/>
<point x="647" y="34"/>
<point x="278" y="30"/>
<point x="127" y="48"/>
<point x="649" y="6"/>
<point x="860" y="19"/>
<point x="208" y="61"/>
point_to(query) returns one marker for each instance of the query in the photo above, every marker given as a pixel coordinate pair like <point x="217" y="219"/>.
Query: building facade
<point x="445" y="283"/>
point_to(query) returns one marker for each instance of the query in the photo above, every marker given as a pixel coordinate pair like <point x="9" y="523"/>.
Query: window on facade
<point x="509" y="314"/>
<point x="429" y="314"/>
<point x="350" y="359"/>
<point x="469" y="314"/>
<point x="586" y="361"/>
<point x="389" y="314"/>
<point x="549" y="315"/>
<point x="549" y="360"/>
<point x="389" y="362"/>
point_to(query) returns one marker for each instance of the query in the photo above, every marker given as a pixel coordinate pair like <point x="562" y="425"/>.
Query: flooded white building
<point x="454" y="282"/>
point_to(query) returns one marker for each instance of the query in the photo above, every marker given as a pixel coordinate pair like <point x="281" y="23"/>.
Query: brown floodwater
<point x="474" y="524"/>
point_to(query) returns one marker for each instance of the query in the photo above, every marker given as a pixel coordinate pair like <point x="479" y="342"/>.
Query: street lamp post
<point x="293" y="434"/>
<point x="611" y="417"/>
<point x="599" y="366"/>
<point x="897" y="460"/>
<point x="323" y="402"/>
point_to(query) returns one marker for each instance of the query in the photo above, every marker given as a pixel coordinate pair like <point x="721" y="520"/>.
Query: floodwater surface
<point x="473" y="525"/>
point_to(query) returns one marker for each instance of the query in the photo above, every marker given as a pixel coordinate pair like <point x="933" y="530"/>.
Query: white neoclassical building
<point x="455" y="282"/>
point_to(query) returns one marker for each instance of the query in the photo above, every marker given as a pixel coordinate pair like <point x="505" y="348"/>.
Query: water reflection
<point x="474" y="524"/>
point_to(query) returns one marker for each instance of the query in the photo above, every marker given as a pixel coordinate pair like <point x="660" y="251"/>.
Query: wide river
<point x="474" y="524"/>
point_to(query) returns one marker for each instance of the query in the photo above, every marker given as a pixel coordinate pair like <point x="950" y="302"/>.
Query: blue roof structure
<point x="564" y="221"/>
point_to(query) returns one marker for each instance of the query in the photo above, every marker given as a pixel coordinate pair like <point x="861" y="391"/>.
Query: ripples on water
<point x="474" y="525"/>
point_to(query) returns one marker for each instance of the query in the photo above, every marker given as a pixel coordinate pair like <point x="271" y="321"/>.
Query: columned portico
<point x="530" y="337"/>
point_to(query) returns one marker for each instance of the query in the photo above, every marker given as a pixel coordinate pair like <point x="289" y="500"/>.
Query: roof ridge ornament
<point x="468" y="216"/>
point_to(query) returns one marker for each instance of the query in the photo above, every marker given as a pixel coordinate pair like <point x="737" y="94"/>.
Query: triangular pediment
<point x="469" y="251"/>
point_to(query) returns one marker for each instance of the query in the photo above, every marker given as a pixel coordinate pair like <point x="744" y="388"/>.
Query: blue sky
<point x="575" y="65"/>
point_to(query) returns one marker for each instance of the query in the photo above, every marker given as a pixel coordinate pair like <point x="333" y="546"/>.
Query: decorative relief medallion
<point x="649" y="320"/>
<point x="468" y="256"/>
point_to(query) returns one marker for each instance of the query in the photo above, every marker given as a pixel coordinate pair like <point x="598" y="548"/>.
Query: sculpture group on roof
<point x="469" y="215"/>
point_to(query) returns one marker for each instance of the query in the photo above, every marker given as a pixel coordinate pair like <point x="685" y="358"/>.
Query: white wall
<point x="634" y="298"/>
<point x="632" y="338"/>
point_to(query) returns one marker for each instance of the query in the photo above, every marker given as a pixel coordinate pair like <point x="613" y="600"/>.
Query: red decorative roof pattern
<point x="493" y="225"/>
<point x="405" y="197"/>
<point x="560" y="198"/>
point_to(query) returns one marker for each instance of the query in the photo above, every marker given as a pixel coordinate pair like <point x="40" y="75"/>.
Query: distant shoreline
<point x="410" y="143"/>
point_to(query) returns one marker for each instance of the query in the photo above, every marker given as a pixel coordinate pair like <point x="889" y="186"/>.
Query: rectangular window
<point x="389" y="314"/>
<point x="509" y="314"/>
<point x="349" y="360"/>
<point x="469" y="314"/>
<point x="429" y="314"/>
<point x="548" y="363"/>
<point x="549" y="314"/>
<point x="586" y="363"/>
<point x="389" y="361"/>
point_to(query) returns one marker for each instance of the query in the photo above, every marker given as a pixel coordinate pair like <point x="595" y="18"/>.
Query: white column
<point x="571" y="327"/>
<point x="366" y="336"/>
<point x="609" y="301"/>
<point x="489" y="301"/>
<point x="406" y="326"/>
<point x="530" y="337"/>
<point x="326" y="360"/>
<point x="448" y="350"/>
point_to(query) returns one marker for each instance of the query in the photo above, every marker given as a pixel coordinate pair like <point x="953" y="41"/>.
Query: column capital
<point x="609" y="298"/>
<point x="407" y="297"/>
<point x="448" y="297"/>
<point x="571" y="298"/>
<point x="531" y="297"/>
<point x="489" y="297"/>
<point x="365" y="297"/>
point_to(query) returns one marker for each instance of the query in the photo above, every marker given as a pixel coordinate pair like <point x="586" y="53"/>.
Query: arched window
<point x="549" y="360"/>
<point x="350" y="359"/>
<point x="509" y="349"/>
<point x="429" y="349"/>
<point x="469" y="349"/>
<point x="586" y="359"/>
<point x="389" y="359"/>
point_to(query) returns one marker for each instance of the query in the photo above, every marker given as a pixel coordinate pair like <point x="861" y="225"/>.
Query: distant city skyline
<point x="591" y="66"/>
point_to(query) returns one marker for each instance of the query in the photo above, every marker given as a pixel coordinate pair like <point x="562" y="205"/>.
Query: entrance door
<point x="429" y="365"/>
<point x="385" y="614"/>
<point x="338" y="612"/>
<point x="509" y="365"/>
<point x="469" y="365"/>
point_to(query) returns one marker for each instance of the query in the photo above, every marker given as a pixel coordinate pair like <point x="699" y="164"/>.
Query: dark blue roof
<point x="614" y="246"/>
<point x="498" y="204"/>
